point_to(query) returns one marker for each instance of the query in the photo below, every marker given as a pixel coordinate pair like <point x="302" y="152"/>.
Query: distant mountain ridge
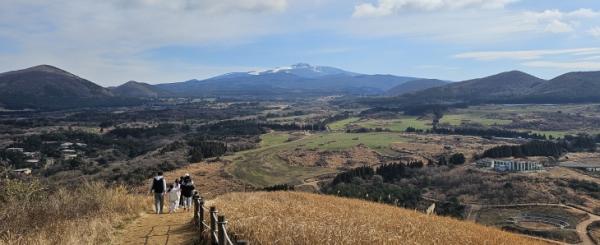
<point x="300" y="69"/>
<point x="296" y="79"/>
<point x="49" y="87"/>
<point x="135" y="89"/>
<point x="515" y="87"/>
<point x="415" y="86"/>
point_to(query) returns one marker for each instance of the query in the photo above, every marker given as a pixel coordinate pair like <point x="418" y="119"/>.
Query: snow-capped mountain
<point x="310" y="71"/>
<point x="301" y="69"/>
<point x="297" y="79"/>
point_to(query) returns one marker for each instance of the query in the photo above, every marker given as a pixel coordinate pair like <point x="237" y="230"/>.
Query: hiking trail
<point x="151" y="229"/>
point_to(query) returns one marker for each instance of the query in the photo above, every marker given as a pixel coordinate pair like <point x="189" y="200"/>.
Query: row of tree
<point x="483" y="132"/>
<point x="555" y="148"/>
<point x="199" y="149"/>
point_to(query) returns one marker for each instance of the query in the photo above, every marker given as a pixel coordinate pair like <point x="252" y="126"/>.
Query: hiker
<point x="173" y="197"/>
<point x="159" y="186"/>
<point x="187" y="191"/>
<point x="181" y="196"/>
<point x="179" y="201"/>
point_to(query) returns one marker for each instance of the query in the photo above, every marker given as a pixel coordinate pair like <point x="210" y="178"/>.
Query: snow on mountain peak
<point x="300" y="69"/>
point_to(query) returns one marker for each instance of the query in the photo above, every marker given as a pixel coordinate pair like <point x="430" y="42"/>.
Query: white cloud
<point x="98" y="39"/>
<point x="557" y="26"/>
<point x="594" y="31"/>
<point x="388" y="7"/>
<point x="525" y="54"/>
<point x="584" y="13"/>
<point x="207" y="6"/>
<point x="472" y="21"/>
<point x="556" y="21"/>
<point x="580" y="66"/>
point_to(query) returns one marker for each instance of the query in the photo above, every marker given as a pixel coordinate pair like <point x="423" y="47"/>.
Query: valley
<point x="287" y="122"/>
<point x="524" y="168"/>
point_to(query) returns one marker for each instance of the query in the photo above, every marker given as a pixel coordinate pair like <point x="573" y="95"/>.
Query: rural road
<point x="582" y="229"/>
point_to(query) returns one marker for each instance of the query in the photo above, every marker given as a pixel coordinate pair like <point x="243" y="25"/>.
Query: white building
<point x="22" y="171"/>
<point x="507" y="165"/>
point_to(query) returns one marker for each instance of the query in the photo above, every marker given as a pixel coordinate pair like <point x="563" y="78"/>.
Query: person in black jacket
<point x="159" y="187"/>
<point x="187" y="191"/>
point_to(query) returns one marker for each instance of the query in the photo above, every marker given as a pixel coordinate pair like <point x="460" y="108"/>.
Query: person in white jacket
<point x="173" y="193"/>
<point x="177" y="185"/>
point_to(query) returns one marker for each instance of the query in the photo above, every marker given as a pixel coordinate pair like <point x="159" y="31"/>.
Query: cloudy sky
<point x="113" y="41"/>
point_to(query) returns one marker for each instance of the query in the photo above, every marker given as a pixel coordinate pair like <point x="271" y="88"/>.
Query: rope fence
<point x="215" y="225"/>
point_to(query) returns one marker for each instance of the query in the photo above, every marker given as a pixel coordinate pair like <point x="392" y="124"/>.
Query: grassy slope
<point x="400" y="124"/>
<point x="341" y="125"/>
<point x="263" y="166"/>
<point x="88" y="214"/>
<point x="302" y="218"/>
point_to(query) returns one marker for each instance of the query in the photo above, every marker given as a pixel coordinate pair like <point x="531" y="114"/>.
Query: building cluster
<point x="35" y="160"/>
<point x="68" y="150"/>
<point x="510" y="165"/>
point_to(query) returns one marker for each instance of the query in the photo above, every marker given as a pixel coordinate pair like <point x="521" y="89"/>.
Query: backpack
<point x="158" y="185"/>
<point x="187" y="189"/>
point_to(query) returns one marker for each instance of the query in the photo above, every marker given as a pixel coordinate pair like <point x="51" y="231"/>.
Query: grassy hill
<point x="415" y="86"/>
<point x="139" y="90"/>
<point x="303" y="218"/>
<point x="48" y="87"/>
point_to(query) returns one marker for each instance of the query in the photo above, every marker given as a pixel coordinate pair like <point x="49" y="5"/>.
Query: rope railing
<point x="216" y="225"/>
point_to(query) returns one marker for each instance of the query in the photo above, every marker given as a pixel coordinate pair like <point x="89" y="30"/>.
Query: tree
<point x="457" y="159"/>
<point x="442" y="161"/>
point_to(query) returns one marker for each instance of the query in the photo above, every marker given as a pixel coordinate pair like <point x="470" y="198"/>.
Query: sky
<point x="113" y="41"/>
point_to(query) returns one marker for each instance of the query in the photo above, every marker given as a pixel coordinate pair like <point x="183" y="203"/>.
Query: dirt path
<point x="582" y="229"/>
<point x="163" y="229"/>
<point x="150" y="228"/>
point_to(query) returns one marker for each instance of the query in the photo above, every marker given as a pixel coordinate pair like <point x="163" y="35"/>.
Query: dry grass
<point x="302" y="218"/>
<point x="88" y="214"/>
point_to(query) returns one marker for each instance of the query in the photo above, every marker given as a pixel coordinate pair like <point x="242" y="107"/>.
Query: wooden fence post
<point x="213" y="226"/>
<point x="196" y="209"/>
<point x="201" y="216"/>
<point x="222" y="234"/>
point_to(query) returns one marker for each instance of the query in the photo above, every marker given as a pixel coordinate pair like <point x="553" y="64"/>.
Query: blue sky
<point x="113" y="41"/>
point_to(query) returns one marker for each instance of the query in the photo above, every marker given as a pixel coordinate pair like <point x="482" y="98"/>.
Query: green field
<point x="263" y="167"/>
<point x="338" y="141"/>
<point x="404" y="122"/>
<point x="341" y="125"/>
<point x="398" y="125"/>
<point x="458" y="119"/>
<point x="273" y="138"/>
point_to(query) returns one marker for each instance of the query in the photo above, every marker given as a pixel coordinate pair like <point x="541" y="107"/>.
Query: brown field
<point x="210" y="179"/>
<point x="89" y="214"/>
<point x="302" y="218"/>
<point x="430" y="146"/>
<point x="356" y="156"/>
<point x="536" y="225"/>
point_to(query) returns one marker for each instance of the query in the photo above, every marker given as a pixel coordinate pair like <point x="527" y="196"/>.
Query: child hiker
<point x="173" y="193"/>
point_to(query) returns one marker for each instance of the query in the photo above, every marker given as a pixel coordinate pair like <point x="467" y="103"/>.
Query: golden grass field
<point x="303" y="218"/>
<point x="89" y="214"/>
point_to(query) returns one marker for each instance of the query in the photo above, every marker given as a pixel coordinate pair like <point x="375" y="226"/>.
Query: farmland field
<point x="263" y="166"/>
<point x="341" y="125"/>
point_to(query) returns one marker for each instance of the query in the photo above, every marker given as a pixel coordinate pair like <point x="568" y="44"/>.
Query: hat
<point x="187" y="175"/>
